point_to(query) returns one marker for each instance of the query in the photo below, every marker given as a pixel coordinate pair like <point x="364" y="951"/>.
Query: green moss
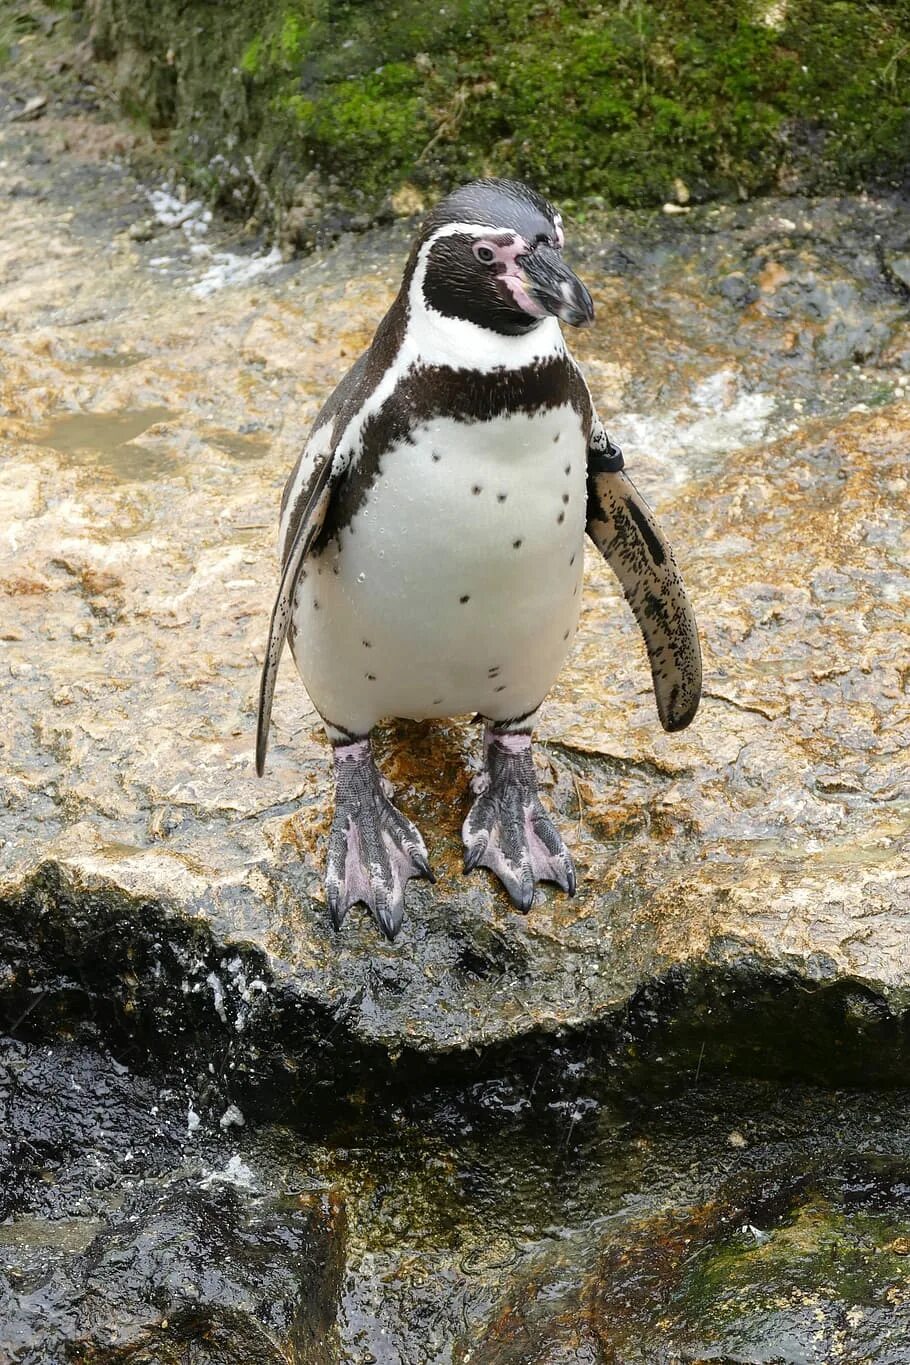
<point x="773" y="1268"/>
<point x="15" y="24"/>
<point x="818" y="1245"/>
<point x="251" y="60"/>
<point x="796" y="1283"/>
<point x="609" y="102"/>
<point x="292" y="40"/>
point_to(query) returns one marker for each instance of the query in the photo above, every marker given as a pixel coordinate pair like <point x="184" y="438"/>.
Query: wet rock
<point x="897" y="272"/>
<point x="668" y="1243"/>
<point x="69" y="1116"/>
<point x="476" y="1211"/>
<point x="184" y="1270"/>
<point x="753" y="869"/>
<point x="737" y="290"/>
<point x="33" y="108"/>
<point x="804" y="1267"/>
<point x="781" y="1264"/>
<point x="110" y="1251"/>
<point x="144" y="230"/>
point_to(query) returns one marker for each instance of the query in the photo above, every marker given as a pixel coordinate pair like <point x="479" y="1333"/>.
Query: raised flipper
<point x="623" y="528"/>
<point x="315" y="501"/>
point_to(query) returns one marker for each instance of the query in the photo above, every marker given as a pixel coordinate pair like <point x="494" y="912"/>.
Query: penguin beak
<point x="552" y="285"/>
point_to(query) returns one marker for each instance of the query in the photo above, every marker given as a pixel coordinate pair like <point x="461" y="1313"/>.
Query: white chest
<point x="461" y="571"/>
<point x="473" y="507"/>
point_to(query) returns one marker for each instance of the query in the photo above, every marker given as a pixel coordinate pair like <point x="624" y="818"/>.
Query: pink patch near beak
<point x="506" y="252"/>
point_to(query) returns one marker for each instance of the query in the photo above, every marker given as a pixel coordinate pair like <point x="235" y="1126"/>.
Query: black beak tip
<point x="580" y="312"/>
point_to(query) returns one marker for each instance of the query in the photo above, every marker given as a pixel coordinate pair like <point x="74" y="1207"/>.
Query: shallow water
<point x="108" y="440"/>
<point x="113" y="360"/>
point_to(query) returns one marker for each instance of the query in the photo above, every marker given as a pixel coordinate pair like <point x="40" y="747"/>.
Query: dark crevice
<point x="135" y="975"/>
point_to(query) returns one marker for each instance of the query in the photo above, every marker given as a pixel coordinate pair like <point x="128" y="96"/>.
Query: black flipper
<point x="309" y="525"/>
<point x="622" y="526"/>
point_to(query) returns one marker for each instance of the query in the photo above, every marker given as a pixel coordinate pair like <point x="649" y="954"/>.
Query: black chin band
<point x="522" y="323"/>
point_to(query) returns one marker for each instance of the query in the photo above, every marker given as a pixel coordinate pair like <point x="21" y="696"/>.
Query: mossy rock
<point x="781" y="1267"/>
<point x="616" y="102"/>
<point x="788" y="1265"/>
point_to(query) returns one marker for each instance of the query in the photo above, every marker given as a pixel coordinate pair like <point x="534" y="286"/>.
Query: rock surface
<point x="126" y="1235"/>
<point x="147" y="429"/>
<point x="744" y="885"/>
<point x="786" y="1264"/>
<point x="519" y="1219"/>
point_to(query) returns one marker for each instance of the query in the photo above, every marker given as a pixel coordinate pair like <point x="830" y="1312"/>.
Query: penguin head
<point x="491" y="253"/>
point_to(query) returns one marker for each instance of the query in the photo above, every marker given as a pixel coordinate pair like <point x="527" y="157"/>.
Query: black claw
<point x="472" y="857"/>
<point x="423" y="867"/>
<point x="337" y="911"/>
<point x="390" y="921"/>
<point x="571" y="885"/>
<point x="524" y="900"/>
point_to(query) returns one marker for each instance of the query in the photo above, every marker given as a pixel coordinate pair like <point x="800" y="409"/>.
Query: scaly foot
<point x="507" y="829"/>
<point x="374" y="850"/>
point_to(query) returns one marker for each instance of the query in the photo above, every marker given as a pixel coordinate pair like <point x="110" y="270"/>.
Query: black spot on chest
<point x="463" y="395"/>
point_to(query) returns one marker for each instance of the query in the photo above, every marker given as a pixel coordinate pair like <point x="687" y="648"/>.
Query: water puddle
<point x="108" y="441"/>
<point x="241" y="447"/>
<point x="112" y="360"/>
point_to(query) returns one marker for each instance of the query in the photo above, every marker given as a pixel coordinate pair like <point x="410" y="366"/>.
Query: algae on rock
<point x="317" y="116"/>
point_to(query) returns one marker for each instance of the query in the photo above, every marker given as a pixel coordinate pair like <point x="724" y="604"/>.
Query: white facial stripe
<point x="465" y="229"/>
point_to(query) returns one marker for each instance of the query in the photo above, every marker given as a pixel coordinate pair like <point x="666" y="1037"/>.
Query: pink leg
<point x="507" y="829"/>
<point x="374" y="850"/>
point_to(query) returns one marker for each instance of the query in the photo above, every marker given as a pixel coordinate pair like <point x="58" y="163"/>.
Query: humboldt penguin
<point x="432" y="545"/>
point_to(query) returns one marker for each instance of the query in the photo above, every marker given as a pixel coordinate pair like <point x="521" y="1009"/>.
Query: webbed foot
<point x="374" y="850"/>
<point x="507" y="829"/>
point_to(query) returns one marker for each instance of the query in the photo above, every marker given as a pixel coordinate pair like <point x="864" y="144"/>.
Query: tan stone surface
<point x="137" y="572"/>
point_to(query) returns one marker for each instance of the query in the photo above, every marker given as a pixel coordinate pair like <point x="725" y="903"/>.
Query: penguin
<point x="432" y="545"/>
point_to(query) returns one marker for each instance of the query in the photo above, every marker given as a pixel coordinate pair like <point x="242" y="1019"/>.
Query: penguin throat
<point x="486" y="308"/>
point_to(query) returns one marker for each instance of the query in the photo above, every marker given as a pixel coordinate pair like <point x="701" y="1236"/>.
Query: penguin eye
<point x="486" y="254"/>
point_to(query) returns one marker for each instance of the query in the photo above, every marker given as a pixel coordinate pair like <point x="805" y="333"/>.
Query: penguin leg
<point x="507" y="829"/>
<point x="374" y="850"/>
